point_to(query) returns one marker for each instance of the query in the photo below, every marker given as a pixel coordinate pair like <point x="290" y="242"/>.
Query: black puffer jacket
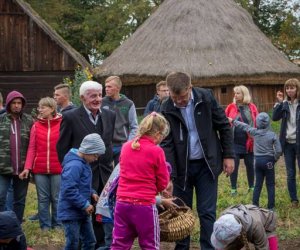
<point x="214" y="132"/>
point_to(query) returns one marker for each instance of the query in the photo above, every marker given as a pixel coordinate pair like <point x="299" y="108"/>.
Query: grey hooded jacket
<point x="266" y="141"/>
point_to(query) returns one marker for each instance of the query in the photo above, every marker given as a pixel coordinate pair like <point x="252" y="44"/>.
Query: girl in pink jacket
<point x="143" y="174"/>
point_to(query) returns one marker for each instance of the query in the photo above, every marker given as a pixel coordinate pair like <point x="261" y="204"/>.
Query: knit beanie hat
<point x="226" y="230"/>
<point x="92" y="144"/>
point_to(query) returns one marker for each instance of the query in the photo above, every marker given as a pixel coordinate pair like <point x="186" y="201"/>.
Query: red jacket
<point x="232" y="112"/>
<point x="42" y="155"/>
<point x="143" y="172"/>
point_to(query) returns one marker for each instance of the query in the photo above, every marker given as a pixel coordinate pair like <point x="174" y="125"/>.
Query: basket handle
<point x="183" y="203"/>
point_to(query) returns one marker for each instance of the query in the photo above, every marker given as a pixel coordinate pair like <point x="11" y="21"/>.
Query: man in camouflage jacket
<point x="14" y="139"/>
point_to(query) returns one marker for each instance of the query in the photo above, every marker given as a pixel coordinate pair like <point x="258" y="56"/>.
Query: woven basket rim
<point x="173" y="228"/>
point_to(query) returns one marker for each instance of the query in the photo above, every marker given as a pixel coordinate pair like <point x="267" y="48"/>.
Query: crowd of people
<point x="71" y="152"/>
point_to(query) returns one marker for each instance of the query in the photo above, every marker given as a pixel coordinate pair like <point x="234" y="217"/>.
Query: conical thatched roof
<point x="53" y="34"/>
<point x="213" y="40"/>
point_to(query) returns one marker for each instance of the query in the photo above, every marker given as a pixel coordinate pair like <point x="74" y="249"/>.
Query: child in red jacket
<point x="143" y="174"/>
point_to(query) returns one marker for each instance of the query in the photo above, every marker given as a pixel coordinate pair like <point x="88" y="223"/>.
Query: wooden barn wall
<point x="264" y="96"/>
<point x="26" y="47"/>
<point x="32" y="85"/>
<point x="140" y="95"/>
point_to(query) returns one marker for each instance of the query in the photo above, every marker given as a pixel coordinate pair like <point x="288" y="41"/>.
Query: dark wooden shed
<point x="215" y="41"/>
<point x="33" y="57"/>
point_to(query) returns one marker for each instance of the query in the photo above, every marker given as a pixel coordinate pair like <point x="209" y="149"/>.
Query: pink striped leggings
<point x="131" y="221"/>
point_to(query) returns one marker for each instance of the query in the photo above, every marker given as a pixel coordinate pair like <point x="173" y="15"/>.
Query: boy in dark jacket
<point x="74" y="205"/>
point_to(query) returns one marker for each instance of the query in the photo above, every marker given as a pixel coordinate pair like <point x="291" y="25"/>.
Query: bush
<point x="80" y="76"/>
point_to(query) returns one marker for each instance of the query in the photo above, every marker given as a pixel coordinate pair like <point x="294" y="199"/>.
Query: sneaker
<point x="34" y="217"/>
<point x="233" y="192"/>
<point x="295" y="204"/>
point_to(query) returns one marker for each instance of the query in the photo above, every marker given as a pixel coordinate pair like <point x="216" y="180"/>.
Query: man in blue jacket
<point x="199" y="147"/>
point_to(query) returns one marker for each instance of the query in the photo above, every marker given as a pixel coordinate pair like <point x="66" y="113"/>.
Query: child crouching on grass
<point x="267" y="150"/>
<point x="143" y="174"/>
<point x="74" y="204"/>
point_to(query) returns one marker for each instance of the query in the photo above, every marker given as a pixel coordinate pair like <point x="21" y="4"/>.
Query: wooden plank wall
<point x="32" y="85"/>
<point x="264" y="96"/>
<point x="26" y="47"/>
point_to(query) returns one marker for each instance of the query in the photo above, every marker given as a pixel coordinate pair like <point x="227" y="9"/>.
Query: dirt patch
<point x="293" y="244"/>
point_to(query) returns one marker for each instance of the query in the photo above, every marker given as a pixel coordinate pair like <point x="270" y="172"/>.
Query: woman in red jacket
<point x="242" y="110"/>
<point x="42" y="161"/>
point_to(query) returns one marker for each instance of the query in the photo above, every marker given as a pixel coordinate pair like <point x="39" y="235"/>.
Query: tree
<point x="97" y="27"/>
<point x="279" y="20"/>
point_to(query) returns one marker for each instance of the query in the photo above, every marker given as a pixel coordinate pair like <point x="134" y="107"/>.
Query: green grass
<point x="288" y="218"/>
<point x="287" y="225"/>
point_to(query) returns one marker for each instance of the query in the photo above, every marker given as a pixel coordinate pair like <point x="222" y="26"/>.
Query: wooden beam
<point x="12" y="13"/>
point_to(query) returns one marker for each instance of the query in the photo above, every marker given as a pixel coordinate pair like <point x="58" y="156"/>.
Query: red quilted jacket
<point x="42" y="155"/>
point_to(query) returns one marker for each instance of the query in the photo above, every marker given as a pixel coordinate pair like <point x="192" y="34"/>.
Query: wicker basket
<point x="176" y="224"/>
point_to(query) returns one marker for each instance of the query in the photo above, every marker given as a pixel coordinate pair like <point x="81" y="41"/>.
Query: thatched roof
<point x="213" y="40"/>
<point x="53" y="34"/>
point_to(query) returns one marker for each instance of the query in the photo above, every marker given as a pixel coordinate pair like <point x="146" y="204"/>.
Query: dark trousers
<point x="200" y="178"/>
<point x="248" y="160"/>
<point x="290" y="156"/>
<point x="19" y="192"/>
<point x="264" y="169"/>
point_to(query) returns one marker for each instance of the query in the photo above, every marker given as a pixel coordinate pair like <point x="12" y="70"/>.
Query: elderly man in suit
<point x="79" y="122"/>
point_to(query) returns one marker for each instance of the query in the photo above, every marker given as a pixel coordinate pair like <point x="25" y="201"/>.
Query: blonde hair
<point x="49" y="102"/>
<point x="161" y="83"/>
<point x="246" y="94"/>
<point x="292" y="82"/>
<point x="116" y="79"/>
<point x="150" y="125"/>
<point x="65" y="87"/>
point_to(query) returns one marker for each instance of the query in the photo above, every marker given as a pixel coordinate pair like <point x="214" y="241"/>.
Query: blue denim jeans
<point x="10" y="198"/>
<point x="19" y="190"/>
<point x="79" y="229"/>
<point x="47" y="187"/>
<point x="290" y="155"/>
<point x="248" y="160"/>
<point x="108" y="228"/>
<point x="264" y="168"/>
<point x="200" y="178"/>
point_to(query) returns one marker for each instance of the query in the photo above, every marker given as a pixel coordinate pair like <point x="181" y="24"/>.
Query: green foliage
<point x="80" y="76"/>
<point x="279" y="20"/>
<point x="97" y="27"/>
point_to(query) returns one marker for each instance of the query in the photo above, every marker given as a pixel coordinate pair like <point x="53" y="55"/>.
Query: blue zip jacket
<point x="75" y="188"/>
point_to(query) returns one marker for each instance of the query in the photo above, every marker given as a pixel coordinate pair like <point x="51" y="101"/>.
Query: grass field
<point x="287" y="226"/>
